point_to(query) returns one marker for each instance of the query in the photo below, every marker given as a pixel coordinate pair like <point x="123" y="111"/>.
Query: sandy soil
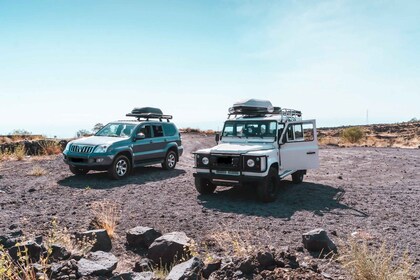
<point x="371" y="190"/>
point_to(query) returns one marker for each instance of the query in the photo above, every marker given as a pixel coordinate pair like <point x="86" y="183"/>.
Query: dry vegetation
<point x="37" y="171"/>
<point x="366" y="263"/>
<point x="50" y="148"/>
<point x="106" y="215"/>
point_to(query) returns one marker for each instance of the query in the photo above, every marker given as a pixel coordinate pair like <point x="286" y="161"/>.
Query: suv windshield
<point x="116" y="130"/>
<point x="256" y="129"/>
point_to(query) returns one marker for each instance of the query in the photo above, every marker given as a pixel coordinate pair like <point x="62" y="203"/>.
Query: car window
<point x="169" y="129"/>
<point x="147" y="131"/>
<point x="157" y="131"/>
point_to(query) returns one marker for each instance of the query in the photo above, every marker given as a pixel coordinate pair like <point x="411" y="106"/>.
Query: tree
<point x="20" y="132"/>
<point x="97" y="127"/>
<point x="82" y="132"/>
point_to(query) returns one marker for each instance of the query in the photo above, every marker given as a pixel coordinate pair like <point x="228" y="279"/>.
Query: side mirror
<point x="217" y="138"/>
<point x="140" y="136"/>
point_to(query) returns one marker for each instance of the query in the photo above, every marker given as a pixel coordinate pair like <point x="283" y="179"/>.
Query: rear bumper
<point x="228" y="180"/>
<point x="91" y="161"/>
<point x="180" y="151"/>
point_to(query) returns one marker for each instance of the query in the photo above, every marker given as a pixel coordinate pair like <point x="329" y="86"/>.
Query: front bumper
<point x="230" y="180"/>
<point x="89" y="161"/>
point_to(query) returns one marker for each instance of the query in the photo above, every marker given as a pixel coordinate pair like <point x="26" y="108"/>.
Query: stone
<point x="265" y="259"/>
<point x="59" y="252"/>
<point x="189" y="270"/>
<point x="10" y="239"/>
<point x="209" y="268"/>
<point x="143" y="265"/>
<point x="33" y="251"/>
<point x="317" y="240"/>
<point x="141" y="237"/>
<point x="134" y="276"/>
<point x="247" y="265"/>
<point x="169" y="248"/>
<point x="99" y="237"/>
<point x="97" y="264"/>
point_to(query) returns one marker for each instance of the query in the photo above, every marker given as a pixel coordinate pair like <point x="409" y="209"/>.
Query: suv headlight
<point x="250" y="162"/>
<point x="255" y="163"/>
<point x="101" y="149"/>
<point x="67" y="147"/>
<point x="202" y="161"/>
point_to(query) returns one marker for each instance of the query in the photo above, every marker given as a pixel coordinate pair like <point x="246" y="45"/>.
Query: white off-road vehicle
<point x="259" y="145"/>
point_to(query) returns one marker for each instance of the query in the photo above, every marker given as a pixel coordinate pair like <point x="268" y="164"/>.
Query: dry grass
<point x="20" y="152"/>
<point x="50" y="148"/>
<point x="106" y="215"/>
<point x="37" y="171"/>
<point x="239" y="242"/>
<point x="366" y="263"/>
<point x="61" y="236"/>
<point x="22" y="269"/>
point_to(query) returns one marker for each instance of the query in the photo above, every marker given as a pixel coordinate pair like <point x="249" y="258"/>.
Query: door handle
<point x="151" y="141"/>
<point x="311" y="153"/>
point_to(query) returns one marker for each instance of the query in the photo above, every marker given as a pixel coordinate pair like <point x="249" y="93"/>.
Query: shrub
<point x="106" y="216"/>
<point x="352" y="134"/>
<point x="364" y="263"/>
<point x="61" y="236"/>
<point x="37" y="171"/>
<point x="50" y="148"/>
<point x="23" y="268"/>
<point x="20" y="152"/>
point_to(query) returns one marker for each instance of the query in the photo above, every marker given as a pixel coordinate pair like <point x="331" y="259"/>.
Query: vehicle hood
<point x="237" y="148"/>
<point x="98" y="140"/>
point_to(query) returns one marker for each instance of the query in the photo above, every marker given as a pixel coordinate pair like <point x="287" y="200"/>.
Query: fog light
<point x="99" y="160"/>
<point x="205" y="160"/>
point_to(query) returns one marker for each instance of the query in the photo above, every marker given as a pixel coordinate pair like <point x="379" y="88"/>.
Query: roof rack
<point x="147" y="116"/>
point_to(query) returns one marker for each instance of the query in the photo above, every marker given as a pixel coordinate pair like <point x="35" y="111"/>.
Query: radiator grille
<point x="81" y="149"/>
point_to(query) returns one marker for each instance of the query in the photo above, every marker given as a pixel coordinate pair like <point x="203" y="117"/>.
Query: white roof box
<point x="253" y="107"/>
<point x="255" y="103"/>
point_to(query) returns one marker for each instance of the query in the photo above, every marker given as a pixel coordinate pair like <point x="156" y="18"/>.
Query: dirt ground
<point x="374" y="191"/>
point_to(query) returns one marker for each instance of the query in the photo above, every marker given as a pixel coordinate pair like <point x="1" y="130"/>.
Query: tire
<point x="120" y="168"/>
<point x="297" y="177"/>
<point x="268" y="189"/>
<point x="78" y="171"/>
<point x="204" y="186"/>
<point x="170" y="161"/>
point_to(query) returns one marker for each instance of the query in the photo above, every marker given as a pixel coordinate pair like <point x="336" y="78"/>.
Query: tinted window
<point x="157" y="131"/>
<point x="169" y="129"/>
<point x="147" y="131"/>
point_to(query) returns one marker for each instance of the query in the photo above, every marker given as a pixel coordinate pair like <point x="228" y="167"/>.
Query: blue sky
<point x="66" y="65"/>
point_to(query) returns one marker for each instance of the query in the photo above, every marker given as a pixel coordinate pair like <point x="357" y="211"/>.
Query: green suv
<point x="122" y="145"/>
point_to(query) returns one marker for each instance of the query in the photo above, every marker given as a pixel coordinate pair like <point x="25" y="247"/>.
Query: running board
<point x="286" y="173"/>
<point x="146" y="163"/>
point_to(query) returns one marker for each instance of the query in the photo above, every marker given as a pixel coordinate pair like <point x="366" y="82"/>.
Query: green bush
<point x="352" y="134"/>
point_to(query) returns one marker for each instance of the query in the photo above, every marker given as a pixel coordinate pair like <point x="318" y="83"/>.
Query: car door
<point x="299" y="146"/>
<point x="159" y="141"/>
<point x="143" y="149"/>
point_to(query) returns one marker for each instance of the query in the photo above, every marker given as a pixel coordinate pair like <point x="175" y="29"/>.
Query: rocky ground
<point x="372" y="191"/>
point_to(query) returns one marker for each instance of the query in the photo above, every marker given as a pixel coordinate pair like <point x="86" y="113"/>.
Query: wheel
<point x="297" y="177"/>
<point x="204" y="186"/>
<point x="120" y="168"/>
<point x="268" y="189"/>
<point x="78" y="171"/>
<point x="170" y="161"/>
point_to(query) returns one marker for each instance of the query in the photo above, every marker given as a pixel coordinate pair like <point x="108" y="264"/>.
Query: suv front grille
<point x="225" y="162"/>
<point x="81" y="149"/>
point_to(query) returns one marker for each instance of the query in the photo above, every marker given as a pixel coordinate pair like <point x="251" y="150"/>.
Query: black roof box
<point x="148" y="113"/>
<point x="147" y="110"/>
